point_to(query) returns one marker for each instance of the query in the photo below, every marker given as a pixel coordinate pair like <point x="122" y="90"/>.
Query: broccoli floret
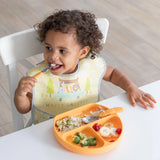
<point x="91" y="138"/>
<point x="84" y="142"/>
<point x="92" y="142"/>
<point x="76" y="140"/>
<point x="81" y="135"/>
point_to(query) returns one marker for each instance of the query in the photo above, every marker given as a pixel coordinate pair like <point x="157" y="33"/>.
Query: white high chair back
<point x="19" y="46"/>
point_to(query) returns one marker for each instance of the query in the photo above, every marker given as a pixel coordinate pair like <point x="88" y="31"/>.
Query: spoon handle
<point x="111" y="111"/>
<point x="38" y="74"/>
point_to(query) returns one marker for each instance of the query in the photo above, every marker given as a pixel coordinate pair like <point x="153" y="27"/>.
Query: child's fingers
<point x="143" y="103"/>
<point x="132" y="100"/>
<point x="25" y="85"/>
<point x="146" y="99"/>
<point x="28" y="80"/>
<point x="150" y="97"/>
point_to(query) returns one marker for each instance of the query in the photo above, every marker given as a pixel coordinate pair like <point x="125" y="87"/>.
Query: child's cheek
<point x="45" y="57"/>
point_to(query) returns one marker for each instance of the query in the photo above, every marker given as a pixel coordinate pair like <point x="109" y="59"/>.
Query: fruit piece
<point x="119" y="130"/>
<point x="94" y="126"/>
<point x="108" y="124"/>
<point x="97" y="127"/>
<point x="100" y="125"/>
<point x="76" y="140"/>
<point x="113" y="131"/>
<point x="112" y="140"/>
<point x="105" y="131"/>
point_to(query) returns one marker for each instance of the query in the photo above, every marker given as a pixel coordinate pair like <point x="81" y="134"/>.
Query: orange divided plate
<point x="104" y="144"/>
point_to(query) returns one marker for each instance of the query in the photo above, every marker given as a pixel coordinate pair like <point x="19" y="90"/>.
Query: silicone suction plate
<point x="104" y="144"/>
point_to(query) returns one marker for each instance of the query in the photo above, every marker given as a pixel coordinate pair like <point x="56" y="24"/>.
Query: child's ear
<point x="84" y="51"/>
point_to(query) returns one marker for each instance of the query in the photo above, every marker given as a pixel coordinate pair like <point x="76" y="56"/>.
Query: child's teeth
<point x="52" y="65"/>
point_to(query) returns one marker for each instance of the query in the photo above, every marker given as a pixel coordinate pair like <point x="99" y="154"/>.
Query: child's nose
<point x="54" y="55"/>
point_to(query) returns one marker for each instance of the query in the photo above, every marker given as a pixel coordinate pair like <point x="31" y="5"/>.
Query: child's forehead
<point x="58" y="35"/>
<point x="70" y="33"/>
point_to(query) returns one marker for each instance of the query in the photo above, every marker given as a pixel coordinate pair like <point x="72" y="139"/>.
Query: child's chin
<point x="57" y="73"/>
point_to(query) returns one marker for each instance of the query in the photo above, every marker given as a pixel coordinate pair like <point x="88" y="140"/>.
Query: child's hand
<point x="137" y="95"/>
<point x="25" y="85"/>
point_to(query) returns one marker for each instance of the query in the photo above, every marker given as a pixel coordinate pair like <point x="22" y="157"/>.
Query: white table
<point x="140" y="140"/>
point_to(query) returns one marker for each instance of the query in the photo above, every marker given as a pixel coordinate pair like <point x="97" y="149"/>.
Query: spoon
<point x="102" y="114"/>
<point x="45" y="69"/>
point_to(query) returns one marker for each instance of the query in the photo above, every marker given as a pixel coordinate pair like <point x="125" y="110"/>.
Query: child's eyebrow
<point x="46" y="43"/>
<point x="61" y="47"/>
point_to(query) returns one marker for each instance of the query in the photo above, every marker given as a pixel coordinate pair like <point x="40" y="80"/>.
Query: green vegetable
<point x="81" y="135"/>
<point x="92" y="142"/>
<point x="68" y="121"/>
<point x="84" y="142"/>
<point x="91" y="138"/>
<point x="76" y="140"/>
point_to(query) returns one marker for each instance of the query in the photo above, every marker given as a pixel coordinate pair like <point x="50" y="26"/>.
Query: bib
<point x="54" y="94"/>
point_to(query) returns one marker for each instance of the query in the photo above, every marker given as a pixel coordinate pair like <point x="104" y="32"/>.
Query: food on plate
<point x="108" y="124"/>
<point x="76" y="139"/>
<point x="113" y="131"/>
<point x="97" y="112"/>
<point x="90" y="141"/>
<point x="105" y="131"/>
<point x="81" y="135"/>
<point x="109" y="132"/>
<point x="97" y="126"/>
<point x="69" y="123"/>
<point x="84" y="141"/>
<point x="119" y="130"/>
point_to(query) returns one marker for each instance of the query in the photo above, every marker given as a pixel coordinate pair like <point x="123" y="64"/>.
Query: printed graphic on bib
<point x="68" y="89"/>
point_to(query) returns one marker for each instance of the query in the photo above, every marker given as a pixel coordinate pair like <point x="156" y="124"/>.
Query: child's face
<point x="64" y="51"/>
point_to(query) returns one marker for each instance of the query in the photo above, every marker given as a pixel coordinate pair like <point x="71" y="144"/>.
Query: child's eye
<point x="62" y="51"/>
<point x="48" y="48"/>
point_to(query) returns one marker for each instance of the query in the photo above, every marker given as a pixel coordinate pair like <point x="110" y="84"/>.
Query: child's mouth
<point x="55" y="66"/>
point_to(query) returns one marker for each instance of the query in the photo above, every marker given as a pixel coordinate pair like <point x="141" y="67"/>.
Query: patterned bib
<point x="56" y="94"/>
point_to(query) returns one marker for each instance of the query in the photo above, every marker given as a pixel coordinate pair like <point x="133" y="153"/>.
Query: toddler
<point x="72" y="42"/>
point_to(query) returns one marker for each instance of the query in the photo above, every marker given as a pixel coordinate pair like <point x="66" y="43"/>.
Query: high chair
<point x="19" y="46"/>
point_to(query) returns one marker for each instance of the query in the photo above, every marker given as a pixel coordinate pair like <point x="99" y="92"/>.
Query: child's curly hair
<point x="83" y="23"/>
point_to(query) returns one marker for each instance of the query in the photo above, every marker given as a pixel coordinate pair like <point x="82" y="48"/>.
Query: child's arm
<point x="134" y="94"/>
<point x="23" y="97"/>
